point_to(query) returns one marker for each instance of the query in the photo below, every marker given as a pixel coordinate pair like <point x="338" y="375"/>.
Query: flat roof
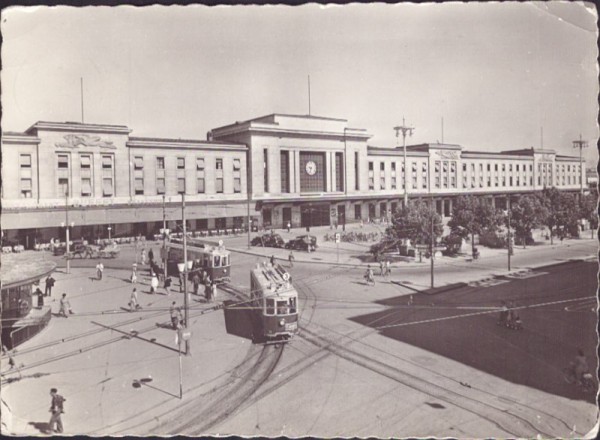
<point x="24" y="268"/>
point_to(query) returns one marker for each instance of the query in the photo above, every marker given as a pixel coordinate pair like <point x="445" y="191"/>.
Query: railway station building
<point x="306" y="170"/>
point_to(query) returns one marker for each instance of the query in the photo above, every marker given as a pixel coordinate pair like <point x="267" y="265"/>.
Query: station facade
<point x="305" y="170"/>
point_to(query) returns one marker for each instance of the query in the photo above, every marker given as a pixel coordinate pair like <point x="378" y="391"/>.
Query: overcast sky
<point x="496" y="72"/>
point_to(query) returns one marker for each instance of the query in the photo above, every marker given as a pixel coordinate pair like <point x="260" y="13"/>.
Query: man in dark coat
<point x="56" y="408"/>
<point x="49" y="285"/>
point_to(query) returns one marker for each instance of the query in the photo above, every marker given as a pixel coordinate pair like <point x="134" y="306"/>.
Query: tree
<point x="526" y="215"/>
<point x="412" y="222"/>
<point x="472" y="215"/>
<point x="588" y="209"/>
<point x="562" y="212"/>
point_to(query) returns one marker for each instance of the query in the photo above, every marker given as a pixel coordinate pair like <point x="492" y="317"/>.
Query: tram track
<point x="487" y="406"/>
<point x="482" y="407"/>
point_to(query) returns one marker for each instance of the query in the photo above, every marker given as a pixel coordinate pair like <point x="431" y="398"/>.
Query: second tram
<point x="214" y="260"/>
<point x="275" y="302"/>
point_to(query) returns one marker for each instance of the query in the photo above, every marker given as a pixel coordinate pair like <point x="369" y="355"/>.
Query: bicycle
<point x="586" y="383"/>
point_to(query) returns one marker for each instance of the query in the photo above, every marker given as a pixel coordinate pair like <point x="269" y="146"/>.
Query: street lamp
<point x="109" y="229"/>
<point x="404" y="129"/>
<point x="581" y="144"/>
<point x="508" y="237"/>
<point x="66" y="226"/>
<point x="345" y="179"/>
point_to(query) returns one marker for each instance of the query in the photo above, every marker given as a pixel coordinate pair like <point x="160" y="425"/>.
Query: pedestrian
<point x="289" y="227"/>
<point x="369" y="278"/>
<point x="381" y="268"/>
<point x="167" y="284"/>
<point x="388" y="268"/>
<point x="150" y="256"/>
<point x="144" y="257"/>
<point x="153" y="283"/>
<point x="133" y="300"/>
<point x="40" y="297"/>
<point x="56" y="408"/>
<point x="196" y="282"/>
<point x="272" y="260"/>
<point x="99" y="270"/>
<point x="207" y="291"/>
<point x="291" y="259"/>
<point x="134" y="274"/>
<point x="213" y="292"/>
<point x="175" y="315"/>
<point x="49" y="285"/>
<point x="181" y="280"/>
<point x="65" y="306"/>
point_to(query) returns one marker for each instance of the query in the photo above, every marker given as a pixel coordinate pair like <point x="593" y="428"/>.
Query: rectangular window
<point x="200" y="175"/>
<point x="219" y="185"/>
<point x="394" y="184"/>
<point x="489" y="167"/>
<point x="356" y="179"/>
<point x="63" y="186"/>
<point x="237" y="176"/>
<point x="139" y="186"/>
<point x="393" y="168"/>
<point x="285" y="171"/>
<point x="160" y="185"/>
<point x="339" y="172"/>
<point x="381" y="166"/>
<point x="370" y="166"/>
<point x="25" y="160"/>
<point x="371" y="183"/>
<point x="107" y="162"/>
<point x="200" y="164"/>
<point x="107" y="187"/>
<point x="357" y="212"/>
<point x="510" y="181"/>
<point x="86" y="161"/>
<point x="138" y="163"/>
<point x="86" y="187"/>
<point x="200" y="185"/>
<point x="464" y="167"/>
<point x="63" y="161"/>
<point x="160" y="163"/>
<point x="219" y="176"/>
<point x="181" y="185"/>
<point x="219" y="164"/>
<point x="237" y="185"/>
<point x="496" y="167"/>
<point x="26" y="188"/>
<point x="382" y="182"/>
<point x="181" y="163"/>
<point x="237" y="164"/>
<point x="266" y="169"/>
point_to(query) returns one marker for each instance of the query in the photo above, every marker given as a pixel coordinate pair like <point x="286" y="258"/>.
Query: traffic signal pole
<point x="185" y="275"/>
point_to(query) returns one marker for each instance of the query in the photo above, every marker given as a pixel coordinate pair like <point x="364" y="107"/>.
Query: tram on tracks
<point x="275" y="302"/>
<point x="210" y="257"/>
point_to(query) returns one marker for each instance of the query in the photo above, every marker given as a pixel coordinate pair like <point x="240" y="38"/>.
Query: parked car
<point x="302" y="243"/>
<point x="268" y="240"/>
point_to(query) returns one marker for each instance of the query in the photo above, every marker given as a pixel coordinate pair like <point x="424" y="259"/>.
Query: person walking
<point x="65" y="306"/>
<point x="213" y="292"/>
<point x="133" y="300"/>
<point x="167" y="284"/>
<point x="49" y="285"/>
<point x="369" y="278"/>
<point x="99" y="270"/>
<point x="40" y="297"/>
<point x="56" y="409"/>
<point x="388" y="268"/>
<point x="207" y="291"/>
<point x="381" y="268"/>
<point x="134" y="274"/>
<point x="144" y="256"/>
<point x="154" y="283"/>
<point x="289" y="227"/>
<point x="272" y="260"/>
<point x="291" y="259"/>
<point x="175" y="315"/>
<point x="150" y="256"/>
<point x="196" y="282"/>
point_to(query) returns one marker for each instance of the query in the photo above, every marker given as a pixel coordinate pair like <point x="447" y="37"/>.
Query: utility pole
<point x="581" y="144"/>
<point x="164" y="249"/>
<point x="345" y="179"/>
<point x="431" y="245"/>
<point x="67" y="230"/>
<point x="404" y="129"/>
<point x="508" y="238"/>
<point x="185" y="274"/>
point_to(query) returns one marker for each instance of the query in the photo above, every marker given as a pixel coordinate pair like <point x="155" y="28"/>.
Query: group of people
<point x="509" y="316"/>
<point x="385" y="269"/>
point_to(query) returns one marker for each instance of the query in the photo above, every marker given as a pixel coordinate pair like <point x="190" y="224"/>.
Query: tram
<point x="211" y="257"/>
<point x="275" y="302"/>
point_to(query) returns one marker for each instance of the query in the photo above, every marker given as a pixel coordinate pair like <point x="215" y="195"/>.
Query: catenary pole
<point x="185" y="274"/>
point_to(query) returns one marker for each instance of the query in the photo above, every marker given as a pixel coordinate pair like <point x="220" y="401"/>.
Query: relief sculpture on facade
<point x="447" y="154"/>
<point x="85" y="140"/>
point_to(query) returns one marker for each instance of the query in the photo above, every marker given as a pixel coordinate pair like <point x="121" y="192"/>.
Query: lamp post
<point x="67" y="230"/>
<point x="109" y="229"/>
<point x="345" y="179"/>
<point x="508" y="237"/>
<point x="581" y="144"/>
<point x="404" y="129"/>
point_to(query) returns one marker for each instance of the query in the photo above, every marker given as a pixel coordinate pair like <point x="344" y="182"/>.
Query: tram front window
<point x="292" y="305"/>
<point x="282" y="307"/>
<point x="270" y="307"/>
<point x="217" y="261"/>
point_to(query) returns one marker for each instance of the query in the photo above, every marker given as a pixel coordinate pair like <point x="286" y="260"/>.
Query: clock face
<point x="311" y="168"/>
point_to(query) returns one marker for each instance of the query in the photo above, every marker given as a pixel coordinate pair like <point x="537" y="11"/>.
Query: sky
<point x="501" y="75"/>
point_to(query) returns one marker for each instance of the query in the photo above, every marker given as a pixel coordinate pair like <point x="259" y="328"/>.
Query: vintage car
<point x="303" y="243"/>
<point x="268" y="240"/>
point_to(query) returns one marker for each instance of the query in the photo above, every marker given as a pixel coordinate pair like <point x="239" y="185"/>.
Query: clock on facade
<point x="311" y="168"/>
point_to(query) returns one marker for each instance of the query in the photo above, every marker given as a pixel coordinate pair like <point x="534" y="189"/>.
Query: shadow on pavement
<point x="461" y="324"/>
<point x="241" y="321"/>
<point x="43" y="427"/>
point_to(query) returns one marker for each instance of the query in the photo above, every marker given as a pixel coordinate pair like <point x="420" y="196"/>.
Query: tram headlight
<point x="281" y="322"/>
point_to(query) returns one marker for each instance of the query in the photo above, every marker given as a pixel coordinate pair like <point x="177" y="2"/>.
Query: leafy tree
<point x="562" y="212"/>
<point x="527" y="214"/>
<point x="412" y="222"/>
<point x="589" y="209"/>
<point x="472" y="215"/>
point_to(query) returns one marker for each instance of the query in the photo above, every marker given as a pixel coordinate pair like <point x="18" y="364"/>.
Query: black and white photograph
<point x="318" y="220"/>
